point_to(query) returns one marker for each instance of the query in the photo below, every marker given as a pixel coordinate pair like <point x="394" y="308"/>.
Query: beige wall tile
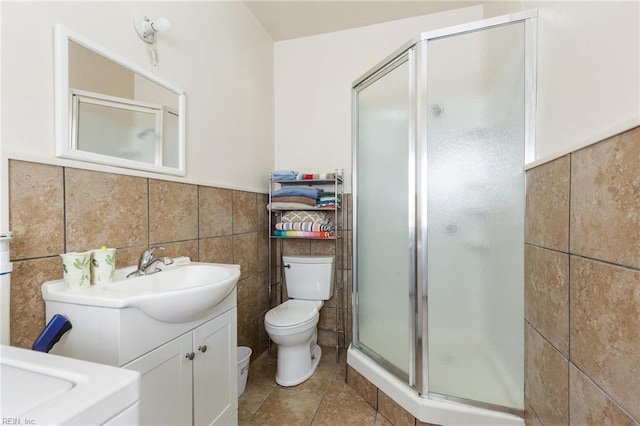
<point x="128" y="256"/>
<point x="263" y="251"/>
<point x="263" y="336"/>
<point x="393" y="412"/>
<point x="36" y="209"/>
<point x="246" y="305"/>
<point x="323" y="247"/>
<point x="605" y="328"/>
<point x="216" y="250"/>
<point x="547" y="295"/>
<point x="27" y="305"/>
<point x="547" y="209"/>
<point x="363" y="387"/>
<point x="179" y="249"/>
<point x="245" y="253"/>
<point x="252" y="297"/>
<point x="249" y="334"/>
<point x="347" y="250"/>
<point x="605" y="200"/>
<point x="590" y="406"/>
<point x="300" y="247"/>
<point x="245" y="212"/>
<point x="546" y="379"/>
<point x="215" y="211"/>
<point x="263" y="213"/>
<point x="530" y="417"/>
<point x="173" y="211"/>
<point x="327" y="320"/>
<point x="327" y="338"/>
<point x="381" y="421"/>
<point x="263" y="292"/>
<point x="105" y="209"/>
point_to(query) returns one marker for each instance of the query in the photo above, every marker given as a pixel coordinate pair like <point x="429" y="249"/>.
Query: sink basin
<point x="177" y="294"/>
<point x="39" y="388"/>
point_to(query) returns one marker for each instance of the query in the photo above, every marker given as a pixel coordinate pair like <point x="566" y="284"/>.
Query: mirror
<point x="110" y="111"/>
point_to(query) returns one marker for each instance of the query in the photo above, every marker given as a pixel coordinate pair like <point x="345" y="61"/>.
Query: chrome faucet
<point x="147" y="259"/>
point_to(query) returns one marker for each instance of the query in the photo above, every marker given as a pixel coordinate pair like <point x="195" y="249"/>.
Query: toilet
<point x="293" y="324"/>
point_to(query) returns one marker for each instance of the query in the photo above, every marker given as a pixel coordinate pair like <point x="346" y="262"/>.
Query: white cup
<point x="76" y="270"/>
<point x="103" y="265"/>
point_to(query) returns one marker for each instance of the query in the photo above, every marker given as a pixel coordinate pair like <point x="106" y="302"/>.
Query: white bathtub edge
<point x="426" y="410"/>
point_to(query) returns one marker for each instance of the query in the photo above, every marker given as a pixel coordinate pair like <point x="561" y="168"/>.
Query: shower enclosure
<point x="442" y="130"/>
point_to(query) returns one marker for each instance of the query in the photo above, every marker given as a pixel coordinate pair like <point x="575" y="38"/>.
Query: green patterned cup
<point x="76" y="270"/>
<point x="103" y="265"/>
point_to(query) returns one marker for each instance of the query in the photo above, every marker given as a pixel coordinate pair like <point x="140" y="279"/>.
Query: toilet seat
<point x="292" y="313"/>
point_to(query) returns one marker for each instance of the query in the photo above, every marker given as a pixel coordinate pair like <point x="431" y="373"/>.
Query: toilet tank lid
<point x="307" y="259"/>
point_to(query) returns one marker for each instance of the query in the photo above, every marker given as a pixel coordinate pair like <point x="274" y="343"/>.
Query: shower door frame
<point x="402" y="55"/>
<point x="416" y="51"/>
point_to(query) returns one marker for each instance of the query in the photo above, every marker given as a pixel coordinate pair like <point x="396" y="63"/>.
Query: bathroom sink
<point x="176" y="294"/>
<point x="39" y="388"/>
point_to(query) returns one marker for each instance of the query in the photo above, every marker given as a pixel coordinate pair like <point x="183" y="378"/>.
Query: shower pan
<point x="442" y="130"/>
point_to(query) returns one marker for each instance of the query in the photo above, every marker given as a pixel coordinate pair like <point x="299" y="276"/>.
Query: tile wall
<point x="57" y="209"/>
<point x="582" y="286"/>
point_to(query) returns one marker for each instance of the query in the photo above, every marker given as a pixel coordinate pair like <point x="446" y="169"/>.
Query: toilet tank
<point x="309" y="277"/>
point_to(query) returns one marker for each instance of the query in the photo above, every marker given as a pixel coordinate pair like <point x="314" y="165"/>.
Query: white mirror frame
<point x="63" y="140"/>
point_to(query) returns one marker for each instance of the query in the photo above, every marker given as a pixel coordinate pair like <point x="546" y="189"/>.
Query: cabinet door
<point x="215" y="374"/>
<point x="166" y="383"/>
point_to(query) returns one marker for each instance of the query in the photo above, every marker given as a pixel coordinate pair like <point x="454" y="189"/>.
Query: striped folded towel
<point x="312" y="234"/>
<point x="304" y="226"/>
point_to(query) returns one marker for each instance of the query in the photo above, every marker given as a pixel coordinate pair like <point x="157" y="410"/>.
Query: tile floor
<point x="323" y="399"/>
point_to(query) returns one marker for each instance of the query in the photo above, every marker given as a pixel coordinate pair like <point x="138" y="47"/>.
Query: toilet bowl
<point x="292" y="325"/>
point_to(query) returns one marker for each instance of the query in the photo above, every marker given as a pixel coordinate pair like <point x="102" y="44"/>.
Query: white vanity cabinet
<point x="187" y="380"/>
<point x="189" y="369"/>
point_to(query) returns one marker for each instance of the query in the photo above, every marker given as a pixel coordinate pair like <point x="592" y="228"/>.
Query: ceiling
<point x="301" y="18"/>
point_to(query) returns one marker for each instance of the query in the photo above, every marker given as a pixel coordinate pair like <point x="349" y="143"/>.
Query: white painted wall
<point x="588" y="70"/>
<point x="216" y="52"/>
<point x="313" y="78"/>
<point x="588" y="78"/>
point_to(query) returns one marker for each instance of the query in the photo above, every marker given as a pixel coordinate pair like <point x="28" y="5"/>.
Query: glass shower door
<point x="381" y="216"/>
<point x="475" y="126"/>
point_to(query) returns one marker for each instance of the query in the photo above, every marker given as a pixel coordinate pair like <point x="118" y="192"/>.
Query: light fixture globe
<point x="161" y="25"/>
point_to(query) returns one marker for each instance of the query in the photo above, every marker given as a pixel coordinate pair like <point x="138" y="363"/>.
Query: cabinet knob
<point x="190" y="355"/>
<point x="202" y="348"/>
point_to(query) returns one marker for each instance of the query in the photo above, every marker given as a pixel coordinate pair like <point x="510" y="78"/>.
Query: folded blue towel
<point x="280" y="175"/>
<point x="293" y="191"/>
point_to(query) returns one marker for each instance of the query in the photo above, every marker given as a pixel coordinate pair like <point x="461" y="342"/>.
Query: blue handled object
<point x="52" y="332"/>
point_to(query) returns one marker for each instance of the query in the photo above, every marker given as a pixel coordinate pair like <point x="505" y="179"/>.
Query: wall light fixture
<point x="147" y="29"/>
